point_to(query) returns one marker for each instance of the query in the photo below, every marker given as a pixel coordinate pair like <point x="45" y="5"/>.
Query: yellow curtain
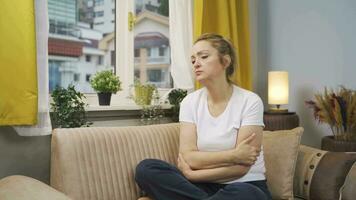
<point x="229" y="18"/>
<point x="18" y="74"/>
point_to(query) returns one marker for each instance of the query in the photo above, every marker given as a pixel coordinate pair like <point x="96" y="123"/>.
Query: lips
<point x="198" y="72"/>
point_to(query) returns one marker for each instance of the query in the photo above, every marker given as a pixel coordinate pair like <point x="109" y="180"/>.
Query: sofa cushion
<point x="281" y="150"/>
<point x="308" y="159"/>
<point x="347" y="191"/>
<point x="331" y="171"/>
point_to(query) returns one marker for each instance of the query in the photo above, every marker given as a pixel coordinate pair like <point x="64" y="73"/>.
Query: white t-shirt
<point x="220" y="133"/>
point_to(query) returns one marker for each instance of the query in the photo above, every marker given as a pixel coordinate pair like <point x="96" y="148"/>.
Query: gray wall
<point x="28" y="156"/>
<point x="314" y="40"/>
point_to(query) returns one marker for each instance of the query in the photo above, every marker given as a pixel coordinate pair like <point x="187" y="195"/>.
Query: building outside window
<point x="82" y="41"/>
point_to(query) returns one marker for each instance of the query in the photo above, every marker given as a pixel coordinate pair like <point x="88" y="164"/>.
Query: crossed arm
<point x="221" y="166"/>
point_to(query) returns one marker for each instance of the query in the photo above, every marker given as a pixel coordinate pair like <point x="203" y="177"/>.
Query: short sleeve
<point x="186" y="113"/>
<point x="253" y="112"/>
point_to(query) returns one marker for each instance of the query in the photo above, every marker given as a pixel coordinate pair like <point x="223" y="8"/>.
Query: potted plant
<point x="68" y="108"/>
<point x="338" y="110"/>
<point x="175" y="97"/>
<point x="151" y="114"/>
<point x="105" y="83"/>
<point x="143" y="93"/>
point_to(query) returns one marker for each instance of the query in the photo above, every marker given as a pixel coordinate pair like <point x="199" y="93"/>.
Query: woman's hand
<point x="245" y="153"/>
<point x="184" y="167"/>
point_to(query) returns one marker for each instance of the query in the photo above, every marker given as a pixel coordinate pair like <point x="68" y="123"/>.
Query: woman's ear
<point x="227" y="61"/>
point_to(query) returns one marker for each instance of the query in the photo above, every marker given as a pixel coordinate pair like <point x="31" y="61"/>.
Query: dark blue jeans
<point x="163" y="181"/>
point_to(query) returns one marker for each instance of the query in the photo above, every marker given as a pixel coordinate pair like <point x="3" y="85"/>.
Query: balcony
<point x="154" y="60"/>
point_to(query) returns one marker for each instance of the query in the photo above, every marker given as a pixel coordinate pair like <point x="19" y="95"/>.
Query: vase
<point x="328" y="143"/>
<point x="104" y="99"/>
<point x="143" y="95"/>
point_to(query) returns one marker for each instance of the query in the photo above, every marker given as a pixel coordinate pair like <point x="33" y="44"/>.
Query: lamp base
<point x="277" y="110"/>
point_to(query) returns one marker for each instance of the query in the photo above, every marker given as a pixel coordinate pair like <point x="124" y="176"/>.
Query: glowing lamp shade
<point x="278" y="88"/>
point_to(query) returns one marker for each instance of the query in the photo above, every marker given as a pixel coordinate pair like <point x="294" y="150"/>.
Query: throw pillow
<point x="347" y="191"/>
<point x="280" y="150"/>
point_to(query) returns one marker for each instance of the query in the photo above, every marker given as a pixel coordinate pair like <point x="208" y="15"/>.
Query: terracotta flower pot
<point x="328" y="143"/>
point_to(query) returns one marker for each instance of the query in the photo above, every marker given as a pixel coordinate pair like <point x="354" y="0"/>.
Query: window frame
<point x="124" y="57"/>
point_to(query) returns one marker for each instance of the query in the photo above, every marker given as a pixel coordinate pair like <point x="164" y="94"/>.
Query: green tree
<point x="163" y="9"/>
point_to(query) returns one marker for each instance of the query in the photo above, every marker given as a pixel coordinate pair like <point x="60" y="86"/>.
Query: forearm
<point x="208" y="160"/>
<point x="218" y="175"/>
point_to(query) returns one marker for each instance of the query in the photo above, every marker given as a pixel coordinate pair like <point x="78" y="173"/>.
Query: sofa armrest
<point x="320" y="174"/>
<point x="26" y="188"/>
<point x="348" y="190"/>
<point x="308" y="158"/>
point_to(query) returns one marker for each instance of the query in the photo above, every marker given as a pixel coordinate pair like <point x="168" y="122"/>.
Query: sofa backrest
<point x="98" y="163"/>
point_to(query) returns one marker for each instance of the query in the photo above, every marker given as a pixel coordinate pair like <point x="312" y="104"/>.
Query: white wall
<point x="314" y="40"/>
<point x="148" y="25"/>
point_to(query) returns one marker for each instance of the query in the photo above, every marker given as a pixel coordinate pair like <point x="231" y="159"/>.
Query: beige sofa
<point x="98" y="163"/>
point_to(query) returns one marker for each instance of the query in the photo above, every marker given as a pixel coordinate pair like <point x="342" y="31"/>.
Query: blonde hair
<point x="224" y="47"/>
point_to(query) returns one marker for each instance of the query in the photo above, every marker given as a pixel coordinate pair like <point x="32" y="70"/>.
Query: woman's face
<point x="206" y="62"/>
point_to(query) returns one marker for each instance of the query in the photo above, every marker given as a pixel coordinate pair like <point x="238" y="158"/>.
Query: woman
<point x="220" y="136"/>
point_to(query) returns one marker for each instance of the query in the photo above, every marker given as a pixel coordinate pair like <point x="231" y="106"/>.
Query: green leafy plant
<point x="105" y="82"/>
<point x="68" y="108"/>
<point x="175" y="97"/>
<point x="338" y="110"/>
<point x="151" y="114"/>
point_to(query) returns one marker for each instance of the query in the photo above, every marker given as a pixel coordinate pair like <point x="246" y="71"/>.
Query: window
<point x="113" y="58"/>
<point x="76" y="77"/>
<point x="148" y="50"/>
<point x="137" y="53"/>
<point x="88" y="58"/>
<point x="161" y="51"/>
<point x="99" y="14"/>
<point x="99" y="23"/>
<point x="73" y="44"/>
<point x="154" y="75"/>
<point x="100" y="60"/>
<point x="99" y="2"/>
<point x="149" y="42"/>
<point x="87" y="77"/>
<point x="79" y="47"/>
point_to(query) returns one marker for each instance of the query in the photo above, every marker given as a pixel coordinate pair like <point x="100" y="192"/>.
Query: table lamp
<point x="278" y="90"/>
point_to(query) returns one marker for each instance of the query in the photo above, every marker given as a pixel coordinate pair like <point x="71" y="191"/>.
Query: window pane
<point x="81" y="41"/>
<point x="151" y="43"/>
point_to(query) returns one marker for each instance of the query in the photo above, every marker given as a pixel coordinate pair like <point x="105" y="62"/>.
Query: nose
<point x="196" y="64"/>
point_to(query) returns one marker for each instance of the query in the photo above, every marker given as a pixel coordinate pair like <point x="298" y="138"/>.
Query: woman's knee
<point x="146" y="169"/>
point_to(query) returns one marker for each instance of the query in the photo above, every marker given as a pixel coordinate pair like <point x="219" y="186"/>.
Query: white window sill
<point x="122" y="102"/>
<point x="127" y="107"/>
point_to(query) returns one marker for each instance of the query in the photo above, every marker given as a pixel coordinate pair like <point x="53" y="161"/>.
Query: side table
<point x="280" y="121"/>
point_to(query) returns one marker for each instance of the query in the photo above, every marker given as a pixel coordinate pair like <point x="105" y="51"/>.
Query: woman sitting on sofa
<point x="221" y="125"/>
